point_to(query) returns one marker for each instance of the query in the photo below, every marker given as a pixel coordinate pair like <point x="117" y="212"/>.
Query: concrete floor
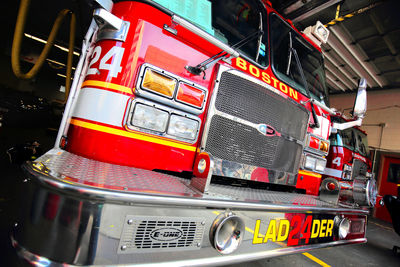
<point x="377" y="252"/>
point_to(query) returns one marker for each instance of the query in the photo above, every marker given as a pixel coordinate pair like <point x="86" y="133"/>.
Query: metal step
<point x="133" y="184"/>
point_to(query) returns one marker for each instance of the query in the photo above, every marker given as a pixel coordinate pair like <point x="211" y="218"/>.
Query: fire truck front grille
<point x="237" y="139"/>
<point x="233" y="141"/>
<point x="148" y="234"/>
<point x="252" y="102"/>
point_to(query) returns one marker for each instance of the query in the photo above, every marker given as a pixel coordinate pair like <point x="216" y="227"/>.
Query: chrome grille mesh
<point x="229" y="139"/>
<point x="140" y="234"/>
<point x="233" y="141"/>
<point x="252" y="102"/>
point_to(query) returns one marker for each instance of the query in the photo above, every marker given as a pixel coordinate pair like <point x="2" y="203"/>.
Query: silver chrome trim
<point x="319" y="104"/>
<point x="111" y="34"/>
<point x="196" y="30"/>
<point x="165" y="200"/>
<point x="107" y="20"/>
<point x="170" y="101"/>
<point x="171" y="111"/>
<point x="37" y="260"/>
<point x="245" y="172"/>
<point x="79" y="76"/>
<point x="106" y="4"/>
<point x="333" y="172"/>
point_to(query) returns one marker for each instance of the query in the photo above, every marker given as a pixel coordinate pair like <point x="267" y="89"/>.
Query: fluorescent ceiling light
<point x="62" y="75"/>
<point x="58" y="63"/>
<point x="44" y="42"/>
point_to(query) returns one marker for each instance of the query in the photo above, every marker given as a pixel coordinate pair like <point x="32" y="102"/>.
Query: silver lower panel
<point x="94" y="213"/>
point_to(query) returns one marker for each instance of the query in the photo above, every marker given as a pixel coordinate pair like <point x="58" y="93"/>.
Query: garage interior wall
<point x="382" y="121"/>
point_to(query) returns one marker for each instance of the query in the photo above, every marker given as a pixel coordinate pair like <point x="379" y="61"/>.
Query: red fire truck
<point x="349" y="164"/>
<point x="195" y="133"/>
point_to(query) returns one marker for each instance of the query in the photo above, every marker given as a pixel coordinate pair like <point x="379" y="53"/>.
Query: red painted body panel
<point x="309" y="183"/>
<point x="346" y="157"/>
<point x="148" y="42"/>
<point x="126" y="151"/>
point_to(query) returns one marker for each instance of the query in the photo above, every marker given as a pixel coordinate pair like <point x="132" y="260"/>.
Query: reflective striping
<point x="120" y="132"/>
<point x="333" y="172"/>
<point x="303" y="172"/>
<point x="101" y="106"/>
<point x="108" y="85"/>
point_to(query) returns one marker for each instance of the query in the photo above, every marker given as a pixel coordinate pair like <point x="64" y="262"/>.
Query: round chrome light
<point x="202" y="165"/>
<point x="372" y="192"/>
<point x="227" y="233"/>
<point x="344" y="228"/>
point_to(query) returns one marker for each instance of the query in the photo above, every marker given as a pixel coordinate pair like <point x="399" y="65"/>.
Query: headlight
<point x="310" y="163"/>
<point x="314" y="164"/>
<point x="372" y="192"/>
<point x="320" y="165"/>
<point x="183" y="127"/>
<point x="150" y="118"/>
<point x="344" y="228"/>
<point x="227" y="232"/>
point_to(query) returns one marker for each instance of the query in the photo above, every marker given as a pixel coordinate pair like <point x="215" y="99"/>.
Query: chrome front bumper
<point x="78" y="211"/>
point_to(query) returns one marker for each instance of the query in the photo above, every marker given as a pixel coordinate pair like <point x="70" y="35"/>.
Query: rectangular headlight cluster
<point x="150" y="118"/>
<point x="164" y="122"/>
<point x="314" y="163"/>
<point x="183" y="127"/>
<point x="171" y="89"/>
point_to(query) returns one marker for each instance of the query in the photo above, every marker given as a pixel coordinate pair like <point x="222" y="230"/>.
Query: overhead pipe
<point x="338" y="74"/>
<point x="347" y="57"/>
<point x="386" y="39"/>
<point x="352" y="14"/>
<point x="346" y="42"/>
<point x="333" y="86"/>
<point x="333" y="61"/>
<point x="295" y="6"/>
<point x="332" y="80"/>
<point x="315" y="10"/>
<point x="18" y="35"/>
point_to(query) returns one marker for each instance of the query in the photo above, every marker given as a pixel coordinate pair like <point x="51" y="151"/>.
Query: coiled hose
<point x="18" y="35"/>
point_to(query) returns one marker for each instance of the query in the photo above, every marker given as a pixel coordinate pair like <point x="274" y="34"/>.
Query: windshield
<point x="230" y="21"/>
<point x="353" y="139"/>
<point x="362" y="143"/>
<point x="283" y="37"/>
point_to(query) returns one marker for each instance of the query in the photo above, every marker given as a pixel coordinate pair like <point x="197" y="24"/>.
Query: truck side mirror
<point x="360" y="103"/>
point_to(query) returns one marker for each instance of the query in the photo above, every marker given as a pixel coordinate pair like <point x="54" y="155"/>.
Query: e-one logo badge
<point x="166" y="234"/>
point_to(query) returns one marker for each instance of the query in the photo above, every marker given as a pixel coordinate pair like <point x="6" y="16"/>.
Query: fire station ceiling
<point x="364" y="35"/>
<point x="364" y="39"/>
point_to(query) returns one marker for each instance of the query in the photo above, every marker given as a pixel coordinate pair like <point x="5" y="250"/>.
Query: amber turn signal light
<point x="158" y="83"/>
<point x="324" y="146"/>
